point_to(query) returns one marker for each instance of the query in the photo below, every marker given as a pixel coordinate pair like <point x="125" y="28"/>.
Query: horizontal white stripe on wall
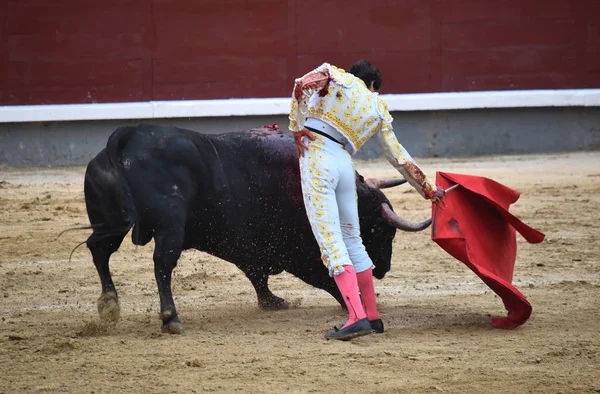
<point x="280" y="106"/>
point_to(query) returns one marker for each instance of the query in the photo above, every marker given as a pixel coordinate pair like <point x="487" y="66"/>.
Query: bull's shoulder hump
<point x="148" y="142"/>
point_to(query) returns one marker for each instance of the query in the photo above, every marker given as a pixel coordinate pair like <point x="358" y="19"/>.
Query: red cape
<point x="475" y="227"/>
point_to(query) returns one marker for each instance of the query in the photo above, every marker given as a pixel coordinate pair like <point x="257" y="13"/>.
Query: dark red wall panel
<point x="418" y="71"/>
<point x="38" y="81"/>
<point x="186" y="28"/>
<point x="509" y="33"/>
<point x="499" y="61"/>
<point x="592" y="47"/>
<point x="72" y="51"/>
<point x="220" y="77"/>
<point x="592" y="60"/>
<point x="460" y="11"/>
<point x="3" y="50"/>
<point x="593" y="32"/>
<point x="208" y="50"/>
<point x="508" y="82"/>
<point x="398" y="36"/>
<point x="68" y="51"/>
<point x="53" y="73"/>
<point x="65" y="95"/>
<point x="382" y="26"/>
<point x="70" y="30"/>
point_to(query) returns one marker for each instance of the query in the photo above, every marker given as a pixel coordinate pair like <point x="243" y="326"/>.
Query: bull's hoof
<point x="272" y="303"/>
<point x="171" y="323"/>
<point x="174" y="327"/>
<point x="108" y="308"/>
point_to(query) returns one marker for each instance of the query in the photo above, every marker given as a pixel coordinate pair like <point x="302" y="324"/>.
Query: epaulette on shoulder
<point x="382" y="108"/>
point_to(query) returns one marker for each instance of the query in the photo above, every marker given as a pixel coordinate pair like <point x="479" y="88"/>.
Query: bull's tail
<point x="101" y="229"/>
<point x="116" y="142"/>
<point x="98" y="230"/>
<point x="73" y="229"/>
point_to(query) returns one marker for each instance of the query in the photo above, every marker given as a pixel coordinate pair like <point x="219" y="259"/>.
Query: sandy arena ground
<point x="437" y="312"/>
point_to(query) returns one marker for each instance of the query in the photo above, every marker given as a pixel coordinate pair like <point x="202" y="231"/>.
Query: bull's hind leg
<point x="102" y="247"/>
<point x="260" y="280"/>
<point x="168" y="246"/>
<point x="317" y="275"/>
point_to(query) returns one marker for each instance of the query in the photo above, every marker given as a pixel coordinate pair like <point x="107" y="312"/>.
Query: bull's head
<point x="378" y="222"/>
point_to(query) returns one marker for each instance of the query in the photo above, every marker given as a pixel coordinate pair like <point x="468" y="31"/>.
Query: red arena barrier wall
<point x="68" y="51"/>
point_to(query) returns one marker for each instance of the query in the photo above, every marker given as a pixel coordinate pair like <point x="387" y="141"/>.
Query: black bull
<point x="236" y="196"/>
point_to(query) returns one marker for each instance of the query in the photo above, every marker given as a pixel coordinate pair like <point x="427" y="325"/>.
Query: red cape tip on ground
<point x="473" y="224"/>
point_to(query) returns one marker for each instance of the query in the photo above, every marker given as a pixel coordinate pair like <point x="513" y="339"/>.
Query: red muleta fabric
<point x="474" y="226"/>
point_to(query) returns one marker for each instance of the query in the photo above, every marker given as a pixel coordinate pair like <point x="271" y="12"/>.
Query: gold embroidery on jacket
<point x="358" y="114"/>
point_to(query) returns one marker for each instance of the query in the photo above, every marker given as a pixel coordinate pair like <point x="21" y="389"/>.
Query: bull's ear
<point x="361" y="178"/>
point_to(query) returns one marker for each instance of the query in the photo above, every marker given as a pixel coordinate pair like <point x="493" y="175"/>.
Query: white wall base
<point x="280" y="106"/>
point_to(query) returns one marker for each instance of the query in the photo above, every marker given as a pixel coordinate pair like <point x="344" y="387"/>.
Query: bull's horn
<point x="401" y="224"/>
<point x="385" y="182"/>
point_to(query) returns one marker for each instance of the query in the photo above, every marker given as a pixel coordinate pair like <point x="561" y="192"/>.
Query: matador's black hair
<point x="364" y="70"/>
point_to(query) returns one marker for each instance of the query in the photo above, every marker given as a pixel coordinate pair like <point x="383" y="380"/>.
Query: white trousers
<point x="330" y="199"/>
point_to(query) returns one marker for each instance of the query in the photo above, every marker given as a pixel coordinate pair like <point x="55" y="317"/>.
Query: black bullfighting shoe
<point x="354" y="330"/>
<point x="377" y="326"/>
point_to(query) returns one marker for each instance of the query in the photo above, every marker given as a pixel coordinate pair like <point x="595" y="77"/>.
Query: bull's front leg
<point x="168" y="245"/>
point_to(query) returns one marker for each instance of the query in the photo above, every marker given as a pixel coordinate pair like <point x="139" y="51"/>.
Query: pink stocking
<point x="367" y="290"/>
<point x="347" y="284"/>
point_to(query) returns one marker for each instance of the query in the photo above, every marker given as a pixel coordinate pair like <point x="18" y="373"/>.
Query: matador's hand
<point x="300" y="145"/>
<point x="439" y="194"/>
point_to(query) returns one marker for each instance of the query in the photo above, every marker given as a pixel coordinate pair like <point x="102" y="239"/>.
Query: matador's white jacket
<point x="344" y="102"/>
